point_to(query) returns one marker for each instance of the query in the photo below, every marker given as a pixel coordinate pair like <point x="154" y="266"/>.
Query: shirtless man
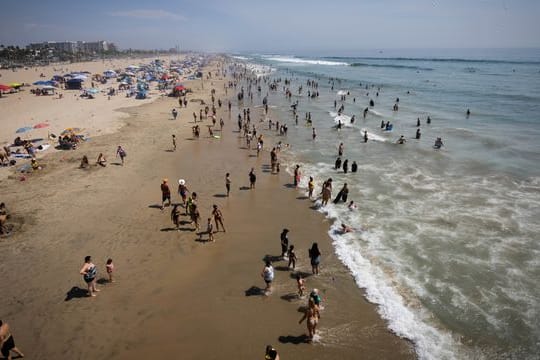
<point x="7" y="344"/>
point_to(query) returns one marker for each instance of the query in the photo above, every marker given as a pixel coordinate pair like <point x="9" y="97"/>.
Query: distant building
<point x="91" y="47"/>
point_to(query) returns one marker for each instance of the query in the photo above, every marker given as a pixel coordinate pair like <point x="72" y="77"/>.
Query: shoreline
<point x="113" y="196"/>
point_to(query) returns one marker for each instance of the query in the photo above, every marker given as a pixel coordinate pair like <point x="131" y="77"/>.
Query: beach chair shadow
<point x="76" y="292"/>
<point x="296" y="340"/>
<point x="220" y="195"/>
<point x="254" y="291"/>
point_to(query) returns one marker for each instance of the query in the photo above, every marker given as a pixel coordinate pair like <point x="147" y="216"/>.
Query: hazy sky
<point x="293" y="26"/>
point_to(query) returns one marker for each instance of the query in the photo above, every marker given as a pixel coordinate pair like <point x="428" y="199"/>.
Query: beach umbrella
<point x="182" y="182"/>
<point x="41" y="82"/>
<point x="70" y="131"/>
<point x="79" y="77"/>
<point x="41" y="125"/>
<point x="179" y="88"/>
<point x="4" y="87"/>
<point x="24" y="129"/>
<point x="15" y="85"/>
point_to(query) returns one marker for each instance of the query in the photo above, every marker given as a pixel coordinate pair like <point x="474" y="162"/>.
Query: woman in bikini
<point x="312" y="315"/>
<point x="89" y="273"/>
<point x="218" y="218"/>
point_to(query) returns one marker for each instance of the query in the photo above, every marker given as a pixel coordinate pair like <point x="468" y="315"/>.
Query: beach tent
<point x="80" y="77"/>
<point x="74" y="84"/>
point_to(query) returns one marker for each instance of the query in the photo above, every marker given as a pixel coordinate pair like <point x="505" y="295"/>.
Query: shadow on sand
<point x="76" y="292"/>
<point x="254" y="291"/>
<point x="296" y="340"/>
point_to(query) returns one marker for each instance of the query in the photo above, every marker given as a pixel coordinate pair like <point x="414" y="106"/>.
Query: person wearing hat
<point x="165" y="193"/>
<point x="271" y="353"/>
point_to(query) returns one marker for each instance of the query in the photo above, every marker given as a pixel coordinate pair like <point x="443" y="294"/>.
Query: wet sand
<point x="174" y="296"/>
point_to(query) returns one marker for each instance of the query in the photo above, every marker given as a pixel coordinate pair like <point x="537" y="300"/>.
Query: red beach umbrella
<point x="4" y="87"/>
<point x="179" y="88"/>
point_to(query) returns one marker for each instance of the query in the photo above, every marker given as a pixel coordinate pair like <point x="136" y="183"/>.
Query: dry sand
<point x="175" y="297"/>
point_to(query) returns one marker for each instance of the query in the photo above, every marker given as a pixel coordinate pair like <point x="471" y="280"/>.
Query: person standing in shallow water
<point x="315" y="258"/>
<point x="312" y="315"/>
<point x="284" y="242"/>
<point x="89" y="273"/>
<point x="268" y="276"/>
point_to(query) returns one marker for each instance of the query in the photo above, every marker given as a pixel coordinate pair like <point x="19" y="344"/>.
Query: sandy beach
<point x="174" y="296"/>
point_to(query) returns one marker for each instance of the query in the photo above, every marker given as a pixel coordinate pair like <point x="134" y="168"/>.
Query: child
<point x="301" y="285"/>
<point x="175" y="216"/>
<point x="110" y="269"/>
<point x="209" y="230"/>
<point x="292" y="257"/>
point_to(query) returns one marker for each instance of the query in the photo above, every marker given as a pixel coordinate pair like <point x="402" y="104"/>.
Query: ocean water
<point x="447" y="240"/>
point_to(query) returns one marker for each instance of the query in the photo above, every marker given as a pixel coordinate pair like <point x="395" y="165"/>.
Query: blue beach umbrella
<point x="24" y="129"/>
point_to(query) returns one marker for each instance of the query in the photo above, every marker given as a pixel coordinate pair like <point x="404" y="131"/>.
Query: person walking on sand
<point x="268" y="276"/>
<point x="312" y="315"/>
<point x="284" y="242"/>
<point x="301" y="284"/>
<point x="89" y="273"/>
<point x="315" y="258"/>
<point x="252" y="178"/>
<point x="292" y="257"/>
<point x="174" y="113"/>
<point x="174" y="142"/>
<point x="228" y="183"/>
<point x="218" y="217"/>
<point x="183" y="191"/>
<point x="122" y="153"/>
<point x="165" y="193"/>
<point x="7" y="343"/>
<point x="175" y="216"/>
